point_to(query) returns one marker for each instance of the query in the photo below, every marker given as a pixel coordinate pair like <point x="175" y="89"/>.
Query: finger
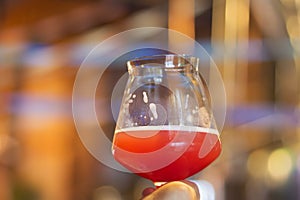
<point x="194" y="186"/>
<point x="176" y="190"/>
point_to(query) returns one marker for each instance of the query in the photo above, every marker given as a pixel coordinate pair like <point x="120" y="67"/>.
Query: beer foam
<point x="169" y="128"/>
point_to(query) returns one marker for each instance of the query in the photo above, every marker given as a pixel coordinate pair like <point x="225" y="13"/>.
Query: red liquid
<point x="166" y="155"/>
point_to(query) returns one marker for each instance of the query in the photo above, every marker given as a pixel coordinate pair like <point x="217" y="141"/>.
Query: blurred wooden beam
<point x="182" y="16"/>
<point x="230" y="31"/>
<point x="44" y="25"/>
<point x="182" y="19"/>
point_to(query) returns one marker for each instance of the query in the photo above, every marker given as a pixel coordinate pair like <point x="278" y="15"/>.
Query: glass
<point x="165" y="130"/>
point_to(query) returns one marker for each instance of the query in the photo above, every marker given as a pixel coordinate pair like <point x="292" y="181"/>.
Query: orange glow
<point x="181" y="16"/>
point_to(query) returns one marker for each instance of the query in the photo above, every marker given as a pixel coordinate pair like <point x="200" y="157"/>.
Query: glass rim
<point x="164" y="61"/>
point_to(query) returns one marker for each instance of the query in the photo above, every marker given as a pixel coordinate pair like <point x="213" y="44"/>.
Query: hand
<point x="177" y="190"/>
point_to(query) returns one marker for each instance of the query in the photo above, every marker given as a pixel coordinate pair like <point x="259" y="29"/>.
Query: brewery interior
<point x="254" y="44"/>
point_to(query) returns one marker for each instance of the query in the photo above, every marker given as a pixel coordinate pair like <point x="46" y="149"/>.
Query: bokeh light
<point x="280" y="165"/>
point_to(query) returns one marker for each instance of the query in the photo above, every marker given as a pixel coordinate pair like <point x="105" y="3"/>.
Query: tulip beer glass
<point x="165" y="130"/>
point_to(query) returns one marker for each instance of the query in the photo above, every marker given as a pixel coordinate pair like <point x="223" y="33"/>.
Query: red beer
<point x="191" y="148"/>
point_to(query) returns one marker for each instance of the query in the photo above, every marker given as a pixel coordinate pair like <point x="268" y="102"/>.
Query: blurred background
<point x="255" y="44"/>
